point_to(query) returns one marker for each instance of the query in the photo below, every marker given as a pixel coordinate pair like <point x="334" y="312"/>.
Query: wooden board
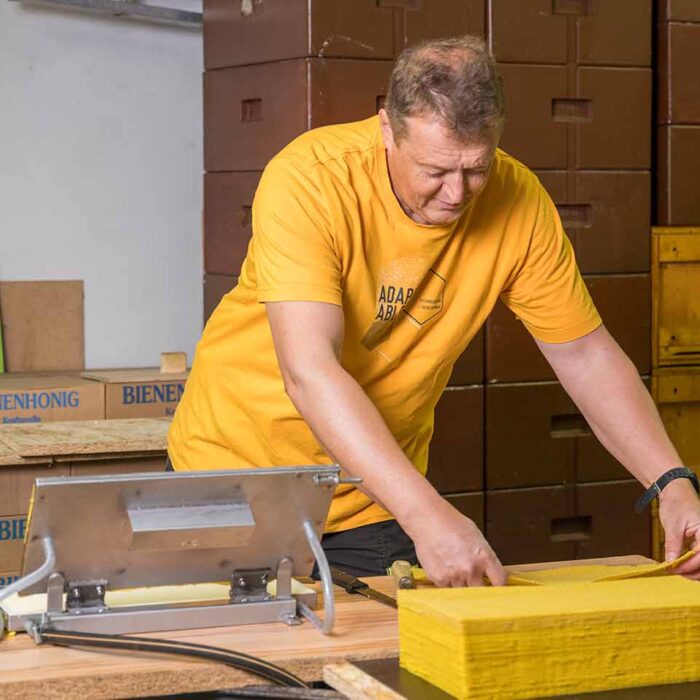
<point x="86" y="437"/>
<point x="364" y="629"/>
<point x="43" y="325"/>
<point x="359" y="679"/>
<point x="675" y="277"/>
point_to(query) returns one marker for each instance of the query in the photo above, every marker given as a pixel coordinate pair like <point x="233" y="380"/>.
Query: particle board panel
<point x="86" y="437"/>
<point x="456" y="456"/>
<point x="228" y="220"/>
<point x="252" y="112"/>
<point x="43" y="325"/>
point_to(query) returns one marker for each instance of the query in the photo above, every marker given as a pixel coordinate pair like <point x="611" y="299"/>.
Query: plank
<point x="355" y="684"/>
<point x="86" y="437"/>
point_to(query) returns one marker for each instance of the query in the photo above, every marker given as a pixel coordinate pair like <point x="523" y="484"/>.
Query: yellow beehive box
<point x="675" y="279"/>
<point x="543" y="641"/>
<point x="676" y="391"/>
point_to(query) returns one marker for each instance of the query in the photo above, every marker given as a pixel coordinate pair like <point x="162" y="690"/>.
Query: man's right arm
<point x="308" y="339"/>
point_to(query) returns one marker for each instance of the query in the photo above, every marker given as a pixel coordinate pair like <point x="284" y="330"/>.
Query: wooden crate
<point x="676" y="391"/>
<point x="675" y="296"/>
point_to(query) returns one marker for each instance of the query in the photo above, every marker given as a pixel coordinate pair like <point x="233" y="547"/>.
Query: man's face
<point x="434" y="175"/>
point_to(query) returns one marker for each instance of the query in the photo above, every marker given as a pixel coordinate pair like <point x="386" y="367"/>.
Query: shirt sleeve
<point x="548" y="293"/>
<point x="294" y="249"/>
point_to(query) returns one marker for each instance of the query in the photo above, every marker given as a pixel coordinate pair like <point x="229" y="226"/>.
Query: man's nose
<point x="454" y="187"/>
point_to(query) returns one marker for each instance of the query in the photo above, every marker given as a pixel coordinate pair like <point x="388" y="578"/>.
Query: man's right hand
<point x="453" y="552"/>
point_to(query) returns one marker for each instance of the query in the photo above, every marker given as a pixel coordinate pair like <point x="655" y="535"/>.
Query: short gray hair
<point x="454" y="79"/>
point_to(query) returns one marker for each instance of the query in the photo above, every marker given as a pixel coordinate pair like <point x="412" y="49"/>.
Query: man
<point x="379" y="249"/>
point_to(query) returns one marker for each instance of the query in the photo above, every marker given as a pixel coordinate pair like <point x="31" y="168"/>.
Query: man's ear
<point x="387" y="131"/>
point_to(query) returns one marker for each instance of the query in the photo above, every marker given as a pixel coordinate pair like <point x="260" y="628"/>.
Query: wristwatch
<point x="664" y="480"/>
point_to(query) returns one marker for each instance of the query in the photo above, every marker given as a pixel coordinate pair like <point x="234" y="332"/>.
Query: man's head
<point x="441" y="124"/>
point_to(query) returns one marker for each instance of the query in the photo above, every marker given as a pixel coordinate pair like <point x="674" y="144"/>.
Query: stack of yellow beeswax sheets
<point x="544" y="640"/>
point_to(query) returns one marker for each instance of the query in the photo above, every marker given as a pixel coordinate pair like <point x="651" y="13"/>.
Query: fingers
<point x="673" y="546"/>
<point x="496" y="573"/>
<point x="690" y="567"/>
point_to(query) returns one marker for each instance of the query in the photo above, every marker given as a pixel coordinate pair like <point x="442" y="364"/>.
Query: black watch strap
<point x="664" y="480"/>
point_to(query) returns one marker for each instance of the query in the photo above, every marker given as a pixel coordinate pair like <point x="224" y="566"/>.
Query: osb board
<point x="364" y="629"/>
<point x="43" y="325"/>
<point x="86" y="437"/>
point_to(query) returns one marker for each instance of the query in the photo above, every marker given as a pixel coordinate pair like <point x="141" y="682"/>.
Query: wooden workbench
<point x="364" y="629"/>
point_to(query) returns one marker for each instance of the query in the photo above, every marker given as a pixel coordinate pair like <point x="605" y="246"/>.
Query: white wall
<point x="101" y="172"/>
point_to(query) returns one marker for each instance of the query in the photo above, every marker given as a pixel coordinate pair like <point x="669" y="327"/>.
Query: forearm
<point x="609" y="392"/>
<point x="354" y="434"/>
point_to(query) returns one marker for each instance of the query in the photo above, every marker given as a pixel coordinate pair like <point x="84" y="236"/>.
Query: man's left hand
<point x="679" y="512"/>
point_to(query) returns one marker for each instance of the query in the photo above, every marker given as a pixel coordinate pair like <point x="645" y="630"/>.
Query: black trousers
<point x="364" y="551"/>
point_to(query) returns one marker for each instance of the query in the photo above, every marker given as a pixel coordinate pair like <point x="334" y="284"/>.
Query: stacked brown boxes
<point x="578" y="84"/>
<point x="678" y="113"/>
<point x="277" y="68"/>
<point x="676" y="240"/>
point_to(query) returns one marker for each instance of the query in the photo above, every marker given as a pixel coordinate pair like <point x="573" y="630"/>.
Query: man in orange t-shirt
<point x="379" y="249"/>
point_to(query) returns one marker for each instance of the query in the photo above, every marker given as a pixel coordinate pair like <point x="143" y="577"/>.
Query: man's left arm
<point x="608" y="391"/>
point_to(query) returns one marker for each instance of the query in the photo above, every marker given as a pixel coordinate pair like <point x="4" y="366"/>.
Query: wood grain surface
<point x="364" y="629"/>
<point x="85" y="437"/>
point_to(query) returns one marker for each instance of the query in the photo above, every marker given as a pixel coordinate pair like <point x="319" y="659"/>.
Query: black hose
<point x="236" y="659"/>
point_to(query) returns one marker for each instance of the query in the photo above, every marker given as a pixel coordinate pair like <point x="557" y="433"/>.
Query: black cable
<point x="236" y="659"/>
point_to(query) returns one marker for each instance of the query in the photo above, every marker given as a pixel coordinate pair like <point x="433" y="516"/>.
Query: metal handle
<point x="327" y="585"/>
<point x="30" y="579"/>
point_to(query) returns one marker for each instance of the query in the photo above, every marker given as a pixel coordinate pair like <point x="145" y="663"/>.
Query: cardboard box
<point x="139" y="393"/>
<point x="16" y="483"/>
<point x="34" y="398"/>
<point x="7" y="578"/>
<point x="43" y="325"/>
<point x="59" y="449"/>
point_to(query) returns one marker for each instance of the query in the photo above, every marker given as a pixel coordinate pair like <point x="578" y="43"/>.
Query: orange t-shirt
<point x="328" y="228"/>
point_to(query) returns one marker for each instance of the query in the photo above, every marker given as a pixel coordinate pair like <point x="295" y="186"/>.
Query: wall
<point x="101" y="172"/>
